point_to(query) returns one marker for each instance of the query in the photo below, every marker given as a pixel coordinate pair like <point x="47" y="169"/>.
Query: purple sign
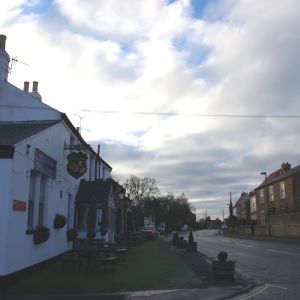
<point x="44" y="163"/>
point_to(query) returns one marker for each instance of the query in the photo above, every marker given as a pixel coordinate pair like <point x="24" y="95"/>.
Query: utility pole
<point x="267" y="200"/>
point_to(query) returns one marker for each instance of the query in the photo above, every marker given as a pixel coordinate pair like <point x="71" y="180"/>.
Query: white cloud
<point x="134" y="56"/>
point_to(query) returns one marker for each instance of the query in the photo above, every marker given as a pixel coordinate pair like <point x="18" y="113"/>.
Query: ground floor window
<point x="36" y="200"/>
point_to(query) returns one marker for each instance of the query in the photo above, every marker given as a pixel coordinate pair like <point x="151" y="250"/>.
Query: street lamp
<point x="267" y="200"/>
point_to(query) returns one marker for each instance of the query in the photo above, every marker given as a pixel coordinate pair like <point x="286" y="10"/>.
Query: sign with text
<point x="19" y="205"/>
<point x="44" y="163"/>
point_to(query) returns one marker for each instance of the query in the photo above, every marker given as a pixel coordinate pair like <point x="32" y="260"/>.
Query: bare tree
<point x="141" y="189"/>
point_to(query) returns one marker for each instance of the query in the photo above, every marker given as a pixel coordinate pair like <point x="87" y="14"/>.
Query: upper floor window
<point x="253" y="203"/>
<point x="261" y="196"/>
<point x="271" y="193"/>
<point x="282" y="190"/>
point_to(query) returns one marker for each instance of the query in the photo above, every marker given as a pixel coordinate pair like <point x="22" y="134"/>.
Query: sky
<point x="184" y="91"/>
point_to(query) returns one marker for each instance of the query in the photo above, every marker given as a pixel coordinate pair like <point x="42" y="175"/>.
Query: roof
<point x="278" y="175"/>
<point x="13" y="132"/>
<point x="242" y="200"/>
<point x="99" y="188"/>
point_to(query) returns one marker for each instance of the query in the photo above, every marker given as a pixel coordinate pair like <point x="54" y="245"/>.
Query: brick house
<point x="279" y="193"/>
<point x="242" y="207"/>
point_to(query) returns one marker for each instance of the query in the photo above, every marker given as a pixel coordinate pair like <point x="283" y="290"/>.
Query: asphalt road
<point x="273" y="266"/>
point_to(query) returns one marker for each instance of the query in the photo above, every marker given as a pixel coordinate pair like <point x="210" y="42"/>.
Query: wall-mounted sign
<point x="45" y="164"/>
<point x="19" y="205"/>
<point x="76" y="164"/>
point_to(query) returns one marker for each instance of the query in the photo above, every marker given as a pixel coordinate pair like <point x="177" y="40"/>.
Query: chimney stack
<point x="4" y="59"/>
<point x="26" y="86"/>
<point x="35" y="86"/>
<point x="2" y="41"/>
<point x="35" y="92"/>
<point x="285" y="167"/>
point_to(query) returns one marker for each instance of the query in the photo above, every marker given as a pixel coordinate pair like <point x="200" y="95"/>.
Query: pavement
<point x="211" y="288"/>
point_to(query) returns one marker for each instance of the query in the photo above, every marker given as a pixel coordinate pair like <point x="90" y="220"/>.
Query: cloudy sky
<point x="182" y="90"/>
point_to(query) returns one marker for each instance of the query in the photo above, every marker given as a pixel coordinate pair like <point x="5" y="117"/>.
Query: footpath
<point x="210" y="288"/>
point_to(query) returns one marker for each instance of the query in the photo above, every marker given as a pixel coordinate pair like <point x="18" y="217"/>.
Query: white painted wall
<point x="5" y="192"/>
<point x="17" y="105"/>
<point x="20" y="250"/>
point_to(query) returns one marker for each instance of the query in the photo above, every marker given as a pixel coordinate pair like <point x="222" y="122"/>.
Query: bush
<point x="41" y="235"/>
<point x="71" y="234"/>
<point x="222" y="256"/>
<point x="59" y="221"/>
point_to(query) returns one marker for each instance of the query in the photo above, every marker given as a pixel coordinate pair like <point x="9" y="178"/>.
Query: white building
<point x="35" y="183"/>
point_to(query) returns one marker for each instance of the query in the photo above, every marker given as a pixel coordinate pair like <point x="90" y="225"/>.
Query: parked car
<point x="149" y="232"/>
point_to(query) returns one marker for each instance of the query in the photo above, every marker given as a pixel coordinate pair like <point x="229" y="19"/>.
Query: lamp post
<point x="267" y="200"/>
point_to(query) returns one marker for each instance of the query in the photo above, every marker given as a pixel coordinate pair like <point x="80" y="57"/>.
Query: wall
<point x="17" y="105"/>
<point x="6" y="186"/>
<point x="287" y="225"/>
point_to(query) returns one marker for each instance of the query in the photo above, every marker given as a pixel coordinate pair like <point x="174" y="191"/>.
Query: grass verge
<point x="148" y="266"/>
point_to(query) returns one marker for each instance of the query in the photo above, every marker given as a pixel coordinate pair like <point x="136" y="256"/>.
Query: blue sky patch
<point x="40" y="8"/>
<point x="199" y="7"/>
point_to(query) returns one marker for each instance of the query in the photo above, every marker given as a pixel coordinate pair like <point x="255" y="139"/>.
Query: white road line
<point x="277" y="286"/>
<point x="245" y="245"/>
<point x="252" y="293"/>
<point x="225" y="241"/>
<point x="258" y="290"/>
<point x="283" y="252"/>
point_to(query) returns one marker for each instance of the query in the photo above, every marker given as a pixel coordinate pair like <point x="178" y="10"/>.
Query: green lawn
<point x="148" y="266"/>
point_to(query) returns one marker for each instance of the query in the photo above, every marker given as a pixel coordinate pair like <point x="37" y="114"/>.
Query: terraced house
<point x="278" y="201"/>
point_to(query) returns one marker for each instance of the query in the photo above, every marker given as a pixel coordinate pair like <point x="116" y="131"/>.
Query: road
<point x="273" y="266"/>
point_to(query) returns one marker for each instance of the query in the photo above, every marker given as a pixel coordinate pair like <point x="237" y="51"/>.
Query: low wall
<point x="286" y="225"/>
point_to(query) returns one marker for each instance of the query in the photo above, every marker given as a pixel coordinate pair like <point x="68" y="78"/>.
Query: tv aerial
<point x="15" y="61"/>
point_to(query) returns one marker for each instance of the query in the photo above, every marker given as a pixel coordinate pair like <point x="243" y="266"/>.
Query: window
<point x="282" y="190"/>
<point x="263" y="218"/>
<point x="253" y="203"/>
<point x="70" y="201"/>
<point x="41" y="214"/>
<point x="271" y="193"/>
<point x="82" y="218"/>
<point x="36" y="201"/>
<point x="31" y="199"/>
<point x="82" y="213"/>
<point x="261" y="196"/>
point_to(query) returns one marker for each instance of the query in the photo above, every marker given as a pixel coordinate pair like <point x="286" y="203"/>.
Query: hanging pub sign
<point x="76" y="164"/>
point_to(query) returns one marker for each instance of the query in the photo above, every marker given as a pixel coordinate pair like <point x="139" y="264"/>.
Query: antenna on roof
<point x="14" y="61"/>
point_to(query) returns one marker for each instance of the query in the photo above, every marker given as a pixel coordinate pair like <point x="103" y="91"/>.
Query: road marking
<point x="245" y="245"/>
<point x="252" y="293"/>
<point x="225" y="241"/>
<point x="277" y="286"/>
<point x="258" y="290"/>
<point x="283" y="252"/>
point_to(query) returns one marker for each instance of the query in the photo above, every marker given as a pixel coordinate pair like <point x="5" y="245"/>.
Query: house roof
<point x="13" y="132"/>
<point x="279" y="175"/>
<point x="99" y="188"/>
<point x="242" y="200"/>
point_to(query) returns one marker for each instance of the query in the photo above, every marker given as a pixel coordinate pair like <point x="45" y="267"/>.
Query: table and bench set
<point x="93" y="256"/>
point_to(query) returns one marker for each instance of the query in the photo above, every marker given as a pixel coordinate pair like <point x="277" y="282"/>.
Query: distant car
<point x="149" y="232"/>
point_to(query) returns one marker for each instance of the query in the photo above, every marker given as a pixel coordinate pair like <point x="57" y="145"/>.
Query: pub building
<point x="43" y="160"/>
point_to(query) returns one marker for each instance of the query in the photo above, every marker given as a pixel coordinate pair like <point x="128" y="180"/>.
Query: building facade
<point x="279" y="193"/>
<point x="43" y="159"/>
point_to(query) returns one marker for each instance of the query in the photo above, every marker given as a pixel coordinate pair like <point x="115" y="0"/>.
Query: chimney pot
<point x="26" y="86"/>
<point x="2" y="41"/>
<point x="35" y="85"/>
